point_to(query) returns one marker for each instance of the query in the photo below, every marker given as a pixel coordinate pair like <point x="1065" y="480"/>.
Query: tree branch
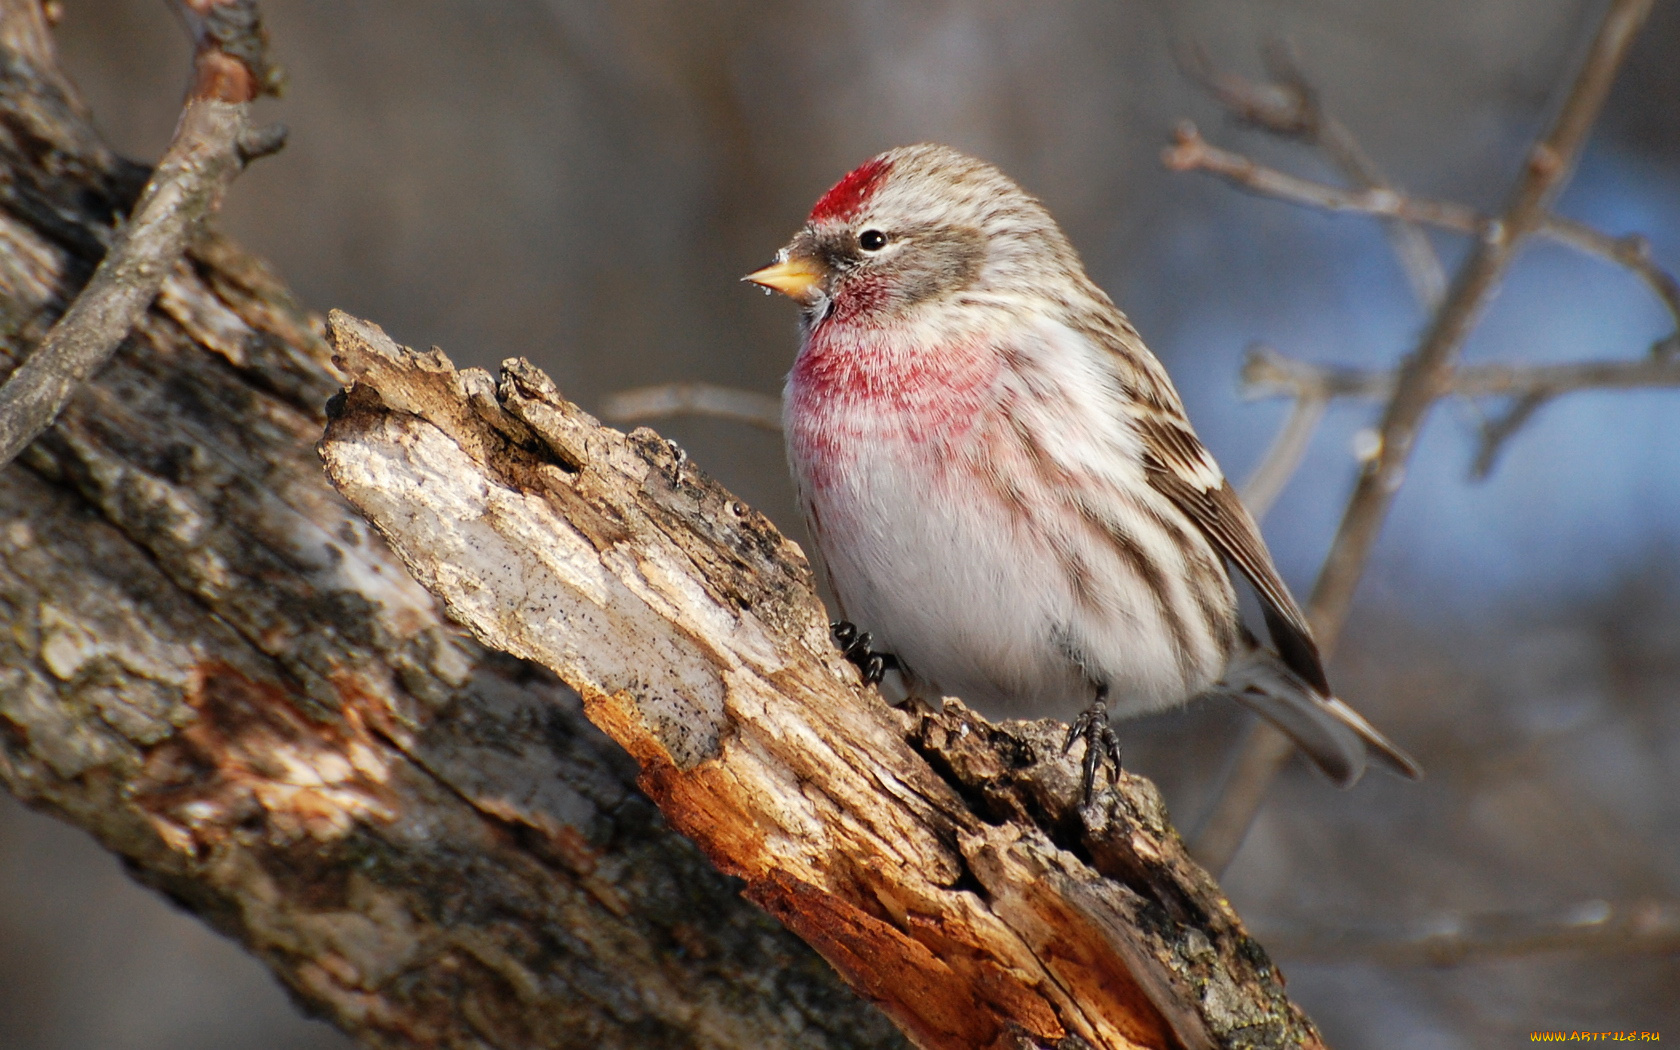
<point x="1291" y="106"/>
<point x="1266" y="483"/>
<point x="212" y="144"/>
<point x="1631" y="251"/>
<point x="694" y="399"/>
<point x="213" y="666"/>
<point x="1268" y="373"/>
<point x="1593" y="927"/>
<point x="1191" y="152"/>
<point x="940" y="863"/>
<point x="1422" y="377"/>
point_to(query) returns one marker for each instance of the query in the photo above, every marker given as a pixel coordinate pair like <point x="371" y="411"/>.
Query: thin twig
<point x="1631" y="251"/>
<point x="212" y="143"/>
<point x="1191" y="152"/>
<point x="1426" y="373"/>
<point x="1590" y="927"/>
<point x="693" y="399"/>
<point x="1292" y="106"/>
<point x="1496" y="432"/>
<point x="1280" y="462"/>
<point x="1267" y="373"/>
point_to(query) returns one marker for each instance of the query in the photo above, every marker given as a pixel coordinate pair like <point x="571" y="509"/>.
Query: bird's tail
<point x="1335" y="736"/>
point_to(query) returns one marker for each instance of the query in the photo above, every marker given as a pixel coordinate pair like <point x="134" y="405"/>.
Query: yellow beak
<point x="795" y="276"/>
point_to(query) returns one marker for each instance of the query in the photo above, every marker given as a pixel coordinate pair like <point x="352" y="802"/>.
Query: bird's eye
<point x="872" y="240"/>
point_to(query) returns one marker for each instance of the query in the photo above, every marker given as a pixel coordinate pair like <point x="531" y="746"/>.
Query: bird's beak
<point x="798" y="277"/>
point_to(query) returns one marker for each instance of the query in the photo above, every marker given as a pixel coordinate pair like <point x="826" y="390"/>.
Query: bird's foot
<point x="854" y="645"/>
<point x="1101" y="746"/>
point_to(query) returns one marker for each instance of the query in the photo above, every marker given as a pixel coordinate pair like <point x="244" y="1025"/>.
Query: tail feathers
<point x="1335" y="736"/>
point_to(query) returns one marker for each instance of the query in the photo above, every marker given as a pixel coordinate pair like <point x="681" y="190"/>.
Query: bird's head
<point x="914" y="226"/>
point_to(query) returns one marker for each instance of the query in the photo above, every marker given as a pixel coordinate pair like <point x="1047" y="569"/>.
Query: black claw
<point x="845" y="633"/>
<point x="874" y="669"/>
<point x="854" y="645"/>
<point x="1102" y="747"/>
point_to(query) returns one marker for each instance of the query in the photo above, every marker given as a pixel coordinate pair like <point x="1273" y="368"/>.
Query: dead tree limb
<point x="213" y="666"/>
<point x="213" y="142"/>
<point x="941" y="864"/>
<point x="209" y="663"/>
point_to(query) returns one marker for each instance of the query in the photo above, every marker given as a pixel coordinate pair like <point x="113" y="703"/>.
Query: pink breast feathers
<point x="849" y="394"/>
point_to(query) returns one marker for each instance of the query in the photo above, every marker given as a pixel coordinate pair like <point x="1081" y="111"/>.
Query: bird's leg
<point x="1101" y="745"/>
<point x="854" y="645"/>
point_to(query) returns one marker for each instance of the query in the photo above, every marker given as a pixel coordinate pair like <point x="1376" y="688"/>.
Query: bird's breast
<point x="874" y="400"/>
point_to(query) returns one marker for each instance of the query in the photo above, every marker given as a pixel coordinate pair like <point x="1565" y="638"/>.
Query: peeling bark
<point x="212" y="665"/>
<point x="941" y="863"/>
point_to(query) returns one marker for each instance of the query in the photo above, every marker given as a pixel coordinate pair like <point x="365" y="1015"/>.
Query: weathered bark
<point x="942" y="864"/>
<point x="210" y="664"/>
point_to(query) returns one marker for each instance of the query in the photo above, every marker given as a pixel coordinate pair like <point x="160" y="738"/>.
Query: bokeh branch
<point x="1267" y="373"/>
<point x="1191" y="152"/>
<point x="1425" y="375"/>
<point x="694" y="399"/>
<point x="213" y="142"/>
<point x="1283" y="457"/>
<point x="1291" y="106"/>
<point x="1590" y="927"/>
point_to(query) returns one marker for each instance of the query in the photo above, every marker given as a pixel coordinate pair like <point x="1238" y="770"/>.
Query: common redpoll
<point x="1000" y="480"/>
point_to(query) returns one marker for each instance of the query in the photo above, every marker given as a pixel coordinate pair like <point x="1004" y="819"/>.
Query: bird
<point x="1005" y="494"/>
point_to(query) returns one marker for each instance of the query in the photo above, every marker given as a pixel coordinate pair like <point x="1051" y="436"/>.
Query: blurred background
<point x="583" y="184"/>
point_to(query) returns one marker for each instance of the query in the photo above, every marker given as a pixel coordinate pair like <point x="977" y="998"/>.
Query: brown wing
<point x="1181" y="469"/>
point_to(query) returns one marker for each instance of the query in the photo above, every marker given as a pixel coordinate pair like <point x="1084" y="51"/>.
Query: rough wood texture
<point x="939" y="862"/>
<point x="208" y="662"/>
<point x="209" y="149"/>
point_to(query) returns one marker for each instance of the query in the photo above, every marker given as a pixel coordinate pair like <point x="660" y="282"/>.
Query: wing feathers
<point x="1181" y="469"/>
<point x="1288" y="689"/>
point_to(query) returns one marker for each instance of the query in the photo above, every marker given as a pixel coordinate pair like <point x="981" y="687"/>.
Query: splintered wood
<point x="942" y="864"/>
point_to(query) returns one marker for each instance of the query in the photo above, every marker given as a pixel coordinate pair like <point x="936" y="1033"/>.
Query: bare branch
<point x="1191" y="152"/>
<point x="1632" y="251"/>
<point x="1225" y="824"/>
<point x="1292" y="107"/>
<point x="1592" y="927"/>
<point x="1499" y="430"/>
<point x="931" y="858"/>
<point x="1283" y="458"/>
<point x="1426" y="373"/>
<point x="1268" y="373"/>
<point x="693" y="399"/>
<point x="207" y="152"/>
